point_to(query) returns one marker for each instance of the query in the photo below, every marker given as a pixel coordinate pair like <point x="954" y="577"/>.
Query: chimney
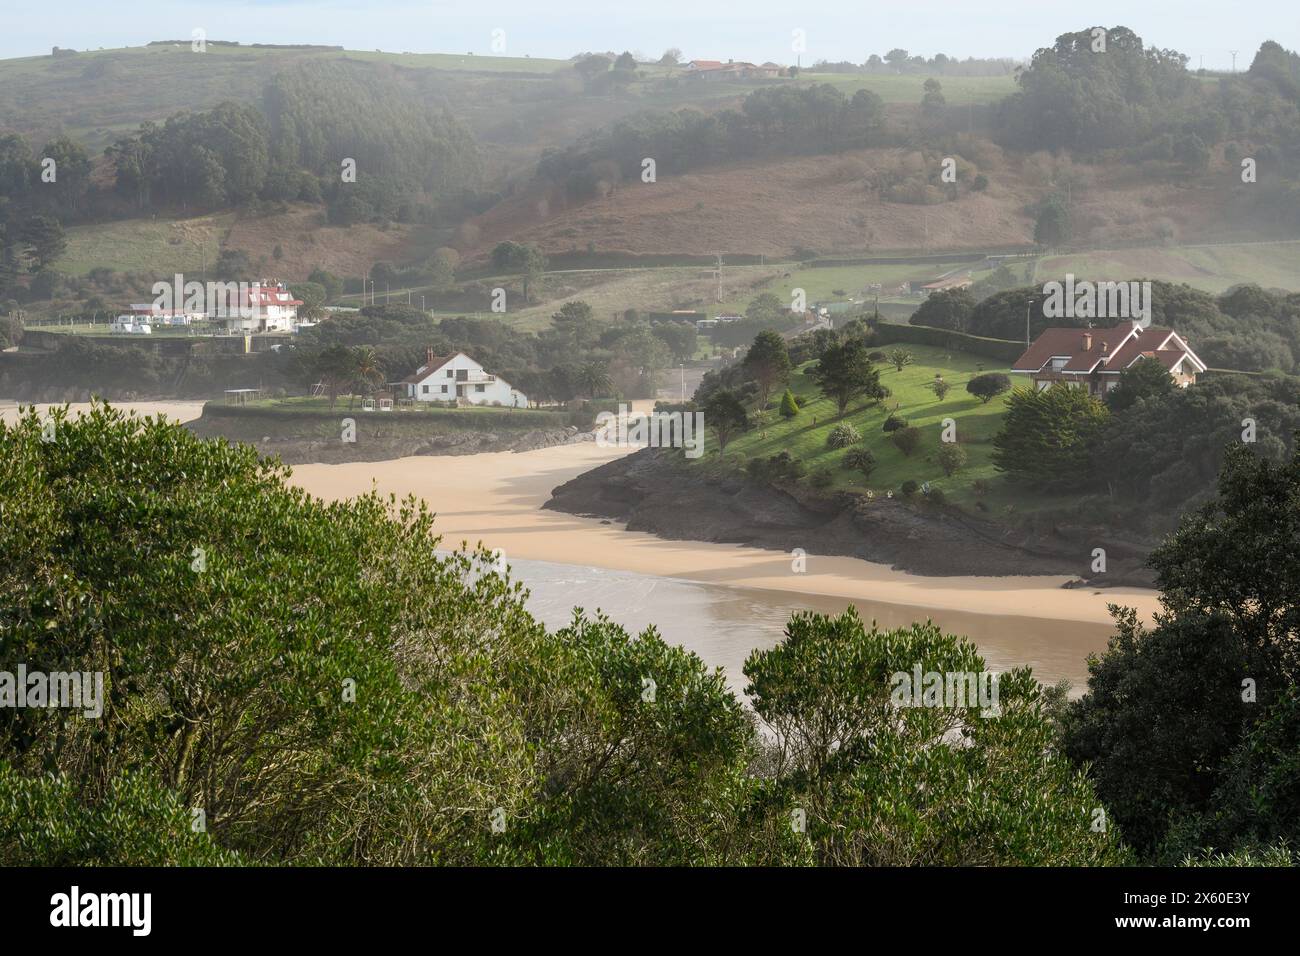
<point x="428" y="356"/>
<point x="1087" y="341"/>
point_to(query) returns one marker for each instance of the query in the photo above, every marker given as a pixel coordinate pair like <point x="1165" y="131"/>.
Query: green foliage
<point x="725" y="414"/>
<point x="768" y="362"/>
<point x="1047" y="436"/>
<point x="893" y="423"/>
<point x="906" y="439"/>
<point x="323" y="684"/>
<point x="43" y="240"/>
<point x="822" y="478"/>
<point x="43" y="822"/>
<point x="211" y="159"/>
<point x="951" y="457"/>
<point x="779" y="467"/>
<point x="1165" y="452"/>
<point x="320" y="111"/>
<point x="940" y="388"/>
<point x="860" y="460"/>
<point x="945" y="309"/>
<point x="1190" y="727"/>
<point x="842" y="436"/>
<point x="909" y="488"/>
<point x="990" y="385"/>
<point x="1052" y="225"/>
<point x="900" y="358"/>
<point x="1145" y="378"/>
<point x="1146" y="89"/>
<point x="844" y="374"/>
<point x="884" y="785"/>
<point x="789" y="405"/>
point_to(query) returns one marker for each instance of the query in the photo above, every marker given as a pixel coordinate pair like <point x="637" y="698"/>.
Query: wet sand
<point x="496" y="499"/>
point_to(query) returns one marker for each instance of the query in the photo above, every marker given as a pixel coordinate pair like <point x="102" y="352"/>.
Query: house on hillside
<point x="1094" y="358"/>
<point x="731" y="70"/>
<point x="959" y="280"/>
<point x="261" y="306"/>
<point x="458" y="378"/>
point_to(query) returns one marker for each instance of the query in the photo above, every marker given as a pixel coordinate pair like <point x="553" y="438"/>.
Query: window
<point x="462" y="375"/>
<point x="480" y="388"/>
<point x="450" y="373"/>
<point x="424" y="389"/>
<point x="444" y="390"/>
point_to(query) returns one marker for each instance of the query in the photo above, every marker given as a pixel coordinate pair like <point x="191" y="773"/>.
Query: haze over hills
<point x="462" y="153"/>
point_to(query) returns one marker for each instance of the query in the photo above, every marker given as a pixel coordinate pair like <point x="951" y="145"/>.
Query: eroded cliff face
<point x="652" y="491"/>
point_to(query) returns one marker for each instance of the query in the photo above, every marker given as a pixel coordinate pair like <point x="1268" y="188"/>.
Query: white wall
<point x="442" y="387"/>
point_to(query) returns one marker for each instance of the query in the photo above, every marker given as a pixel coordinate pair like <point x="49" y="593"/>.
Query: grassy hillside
<point x="805" y="435"/>
<point x="1212" y="268"/>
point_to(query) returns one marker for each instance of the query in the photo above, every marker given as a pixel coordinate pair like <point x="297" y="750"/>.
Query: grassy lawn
<point x="160" y="247"/>
<point x="911" y="399"/>
<point x="909" y="87"/>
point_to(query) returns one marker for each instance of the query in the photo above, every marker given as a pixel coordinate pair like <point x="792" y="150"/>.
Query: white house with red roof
<point x="458" y="378"/>
<point x="262" y="306"/>
<point x="1094" y="358"/>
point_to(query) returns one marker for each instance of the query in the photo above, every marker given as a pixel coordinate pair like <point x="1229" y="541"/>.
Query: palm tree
<point x="593" y="378"/>
<point x="334" y="366"/>
<point x="367" y="371"/>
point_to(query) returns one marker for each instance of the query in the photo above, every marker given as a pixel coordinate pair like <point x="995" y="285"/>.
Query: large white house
<point x="261" y="307"/>
<point x="458" y="378"/>
<point x="1094" y="358"/>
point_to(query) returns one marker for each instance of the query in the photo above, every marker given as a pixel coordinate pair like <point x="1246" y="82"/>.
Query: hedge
<point x="1002" y="350"/>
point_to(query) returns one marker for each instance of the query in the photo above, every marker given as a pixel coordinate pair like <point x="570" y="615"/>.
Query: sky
<point x="755" y="30"/>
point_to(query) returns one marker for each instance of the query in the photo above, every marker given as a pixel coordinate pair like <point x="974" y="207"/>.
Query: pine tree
<point x="789" y="406"/>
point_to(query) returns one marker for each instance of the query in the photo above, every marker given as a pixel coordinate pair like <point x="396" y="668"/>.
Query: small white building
<point x="458" y="378"/>
<point x="152" y="314"/>
<point x="132" y="325"/>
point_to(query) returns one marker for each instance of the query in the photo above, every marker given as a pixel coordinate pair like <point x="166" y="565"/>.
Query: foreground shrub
<point x="885" y="784"/>
<point x="860" y="460"/>
<point x="842" y="436"/>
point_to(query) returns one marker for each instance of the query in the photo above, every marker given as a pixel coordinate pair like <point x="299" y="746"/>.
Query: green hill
<point x="804" y="436"/>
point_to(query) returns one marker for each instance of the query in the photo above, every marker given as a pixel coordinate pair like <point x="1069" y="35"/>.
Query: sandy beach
<point x="497" y="499"/>
<point x="178" y="411"/>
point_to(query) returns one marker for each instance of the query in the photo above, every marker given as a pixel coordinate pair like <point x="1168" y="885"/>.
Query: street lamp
<point x="1028" y="305"/>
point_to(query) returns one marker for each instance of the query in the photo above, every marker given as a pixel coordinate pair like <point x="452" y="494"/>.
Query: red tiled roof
<point x="1115" y="349"/>
<point x="428" y="368"/>
<point x="1057" y="342"/>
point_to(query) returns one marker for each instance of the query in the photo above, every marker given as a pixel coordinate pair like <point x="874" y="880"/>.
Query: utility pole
<point x="1234" y="60"/>
<point x="683" y="367"/>
<point x="719" y="276"/>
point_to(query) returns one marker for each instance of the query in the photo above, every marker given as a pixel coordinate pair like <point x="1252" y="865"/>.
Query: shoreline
<point x="496" y="498"/>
